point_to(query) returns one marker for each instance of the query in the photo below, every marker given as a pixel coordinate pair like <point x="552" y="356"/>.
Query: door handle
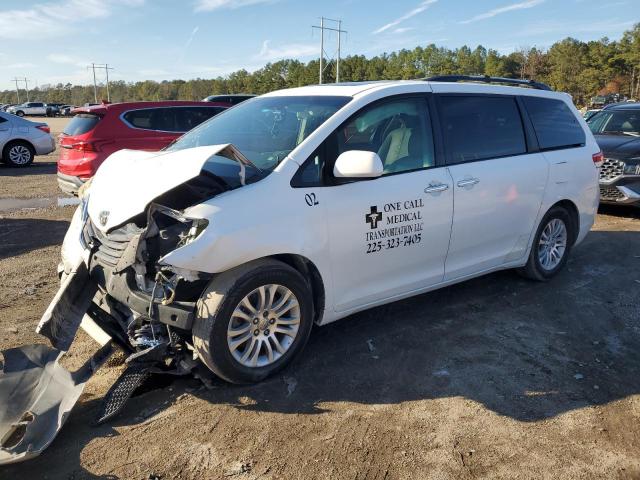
<point x="436" y="188"/>
<point x="468" y="182"/>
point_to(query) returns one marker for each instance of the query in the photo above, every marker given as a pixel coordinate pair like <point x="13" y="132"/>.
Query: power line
<point x="339" y="30"/>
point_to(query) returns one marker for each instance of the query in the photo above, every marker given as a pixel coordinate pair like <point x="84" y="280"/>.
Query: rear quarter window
<point x="147" y="118"/>
<point x="554" y="123"/>
<point x="81" y="123"/>
<point x="481" y="127"/>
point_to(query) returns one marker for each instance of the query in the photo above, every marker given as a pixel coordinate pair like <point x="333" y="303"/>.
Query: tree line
<point x="583" y="69"/>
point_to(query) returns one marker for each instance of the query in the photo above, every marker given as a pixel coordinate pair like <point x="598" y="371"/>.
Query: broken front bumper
<point x="36" y="392"/>
<point x="36" y="395"/>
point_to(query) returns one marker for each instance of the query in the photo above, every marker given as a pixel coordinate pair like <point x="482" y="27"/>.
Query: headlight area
<point x="144" y="302"/>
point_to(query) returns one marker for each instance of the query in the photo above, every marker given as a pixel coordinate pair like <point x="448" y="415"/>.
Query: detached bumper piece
<point x="36" y="395"/>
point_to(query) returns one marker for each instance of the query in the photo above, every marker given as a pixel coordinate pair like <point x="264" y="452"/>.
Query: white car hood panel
<point x="129" y="180"/>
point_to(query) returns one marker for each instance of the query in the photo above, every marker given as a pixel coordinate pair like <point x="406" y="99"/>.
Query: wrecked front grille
<point x="611" y="168"/>
<point x="109" y="247"/>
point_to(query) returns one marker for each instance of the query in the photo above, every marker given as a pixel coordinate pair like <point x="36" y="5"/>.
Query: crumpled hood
<point x="129" y="180"/>
<point x="619" y="146"/>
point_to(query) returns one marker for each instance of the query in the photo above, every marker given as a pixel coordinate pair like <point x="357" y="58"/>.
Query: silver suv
<point x="29" y="108"/>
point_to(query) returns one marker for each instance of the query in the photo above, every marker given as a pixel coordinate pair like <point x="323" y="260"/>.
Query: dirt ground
<point x="497" y="377"/>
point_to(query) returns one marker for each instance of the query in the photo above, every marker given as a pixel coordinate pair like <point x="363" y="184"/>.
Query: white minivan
<point x="304" y="206"/>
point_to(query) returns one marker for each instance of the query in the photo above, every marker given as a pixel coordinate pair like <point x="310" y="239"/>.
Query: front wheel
<point x="253" y="320"/>
<point x="20" y="113"/>
<point x="551" y="246"/>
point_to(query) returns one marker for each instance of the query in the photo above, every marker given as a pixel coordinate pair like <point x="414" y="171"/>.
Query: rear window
<point x="481" y="127"/>
<point x="81" y="123"/>
<point x="554" y="123"/>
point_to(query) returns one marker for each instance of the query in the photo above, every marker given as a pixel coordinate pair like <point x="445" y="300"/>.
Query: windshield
<point x="264" y="129"/>
<point x="615" y="122"/>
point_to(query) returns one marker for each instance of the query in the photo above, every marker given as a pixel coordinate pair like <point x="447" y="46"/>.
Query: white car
<point x="304" y="206"/>
<point x="21" y="140"/>
<point x="29" y="108"/>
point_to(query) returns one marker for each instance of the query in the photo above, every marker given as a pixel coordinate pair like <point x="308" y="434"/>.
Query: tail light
<point x="44" y="128"/>
<point x="598" y="159"/>
<point x="82" y="147"/>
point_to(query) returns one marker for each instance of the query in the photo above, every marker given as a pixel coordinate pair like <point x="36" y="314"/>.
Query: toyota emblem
<point x="104" y="217"/>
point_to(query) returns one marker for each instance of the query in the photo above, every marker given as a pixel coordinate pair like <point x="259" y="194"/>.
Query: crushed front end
<point x="115" y="285"/>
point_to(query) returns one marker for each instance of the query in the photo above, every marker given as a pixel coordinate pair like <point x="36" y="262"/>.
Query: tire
<point x="18" y="154"/>
<point x="20" y="113"/>
<point x="220" y="316"/>
<point x="535" y="269"/>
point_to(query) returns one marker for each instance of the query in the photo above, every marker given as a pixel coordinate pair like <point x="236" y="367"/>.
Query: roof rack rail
<point x="487" y="79"/>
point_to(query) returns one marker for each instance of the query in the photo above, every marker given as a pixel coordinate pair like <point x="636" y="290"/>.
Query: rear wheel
<point x="551" y="245"/>
<point x="18" y="154"/>
<point x="253" y="320"/>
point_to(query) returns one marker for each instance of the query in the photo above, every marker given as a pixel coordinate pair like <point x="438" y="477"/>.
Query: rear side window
<point x="478" y="127"/>
<point x="555" y="125"/>
<point x="162" y="119"/>
<point x="81" y="123"/>
<point x="190" y="117"/>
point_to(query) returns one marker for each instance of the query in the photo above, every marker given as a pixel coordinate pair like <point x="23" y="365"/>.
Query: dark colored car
<point x="617" y="131"/>
<point x="233" y="99"/>
<point x="96" y="132"/>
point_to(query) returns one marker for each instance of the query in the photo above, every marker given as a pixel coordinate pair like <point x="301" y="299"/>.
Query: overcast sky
<point x="54" y="41"/>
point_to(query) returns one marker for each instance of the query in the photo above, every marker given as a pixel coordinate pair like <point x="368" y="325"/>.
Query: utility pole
<point x="106" y="68"/>
<point x="338" y="59"/>
<point x="339" y="31"/>
<point x="321" y="47"/>
<point x="17" y="89"/>
<point x="95" y="86"/>
<point x="26" y="87"/>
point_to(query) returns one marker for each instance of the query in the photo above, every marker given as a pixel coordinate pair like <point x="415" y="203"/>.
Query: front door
<point x="388" y="236"/>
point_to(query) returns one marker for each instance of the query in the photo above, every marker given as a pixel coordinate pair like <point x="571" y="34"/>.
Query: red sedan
<point x="97" y="131"/>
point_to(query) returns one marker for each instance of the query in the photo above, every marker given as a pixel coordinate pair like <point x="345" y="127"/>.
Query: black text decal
<point x="311" y="200"/>
<point x="399" y="224"/>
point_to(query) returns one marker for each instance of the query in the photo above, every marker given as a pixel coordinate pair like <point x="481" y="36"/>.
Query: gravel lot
<point x="497" y="377"/>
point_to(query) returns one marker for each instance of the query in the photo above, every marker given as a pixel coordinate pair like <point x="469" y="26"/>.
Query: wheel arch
<point x="572" y="209"/>
<point x="19" y="140"/>
<point x="309" y="271"/>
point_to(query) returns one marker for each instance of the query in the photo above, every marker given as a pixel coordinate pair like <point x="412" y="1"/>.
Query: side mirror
<point x="358" y="164"/>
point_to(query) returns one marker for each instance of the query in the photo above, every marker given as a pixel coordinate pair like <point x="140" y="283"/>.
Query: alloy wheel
<point x="19" y="155"/>
<point x="263" y="326"/>
<point x="552" y="244"/>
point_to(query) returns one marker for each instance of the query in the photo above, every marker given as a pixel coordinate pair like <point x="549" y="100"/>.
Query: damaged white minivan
<point x="304" y="206"/>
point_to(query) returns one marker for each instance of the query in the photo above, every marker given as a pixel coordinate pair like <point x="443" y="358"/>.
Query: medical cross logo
<point x="373" y="217"/>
